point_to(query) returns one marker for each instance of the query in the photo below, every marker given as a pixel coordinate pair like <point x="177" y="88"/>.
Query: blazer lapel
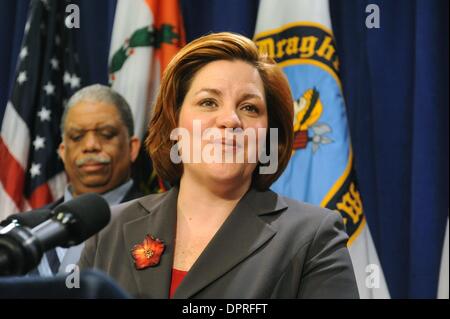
<point x="242" y="233"/>
<point x="154" y="282"/>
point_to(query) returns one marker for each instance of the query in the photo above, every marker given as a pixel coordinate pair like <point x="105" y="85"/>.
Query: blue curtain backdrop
<point x="396" y="86"/>
<point x="395" y="83"/>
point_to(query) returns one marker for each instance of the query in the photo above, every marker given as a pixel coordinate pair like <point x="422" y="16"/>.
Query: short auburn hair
<point x="175" y="84"/>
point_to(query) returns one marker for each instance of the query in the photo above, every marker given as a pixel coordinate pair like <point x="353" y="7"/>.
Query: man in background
<point x="98" y="148"/>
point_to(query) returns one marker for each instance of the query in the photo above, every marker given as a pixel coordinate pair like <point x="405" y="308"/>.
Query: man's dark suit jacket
<point x="73" y="253"/>
<point x="133" y="193"/>
<point x="269" y="247"/>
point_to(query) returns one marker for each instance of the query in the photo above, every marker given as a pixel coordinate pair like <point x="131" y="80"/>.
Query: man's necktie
<point x="53" y="260"/>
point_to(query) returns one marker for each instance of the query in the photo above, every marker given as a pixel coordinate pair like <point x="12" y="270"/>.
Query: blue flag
<point x="298" y="35"/>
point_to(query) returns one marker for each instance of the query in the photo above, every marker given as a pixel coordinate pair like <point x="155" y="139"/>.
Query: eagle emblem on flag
<point x="307" y="111"/>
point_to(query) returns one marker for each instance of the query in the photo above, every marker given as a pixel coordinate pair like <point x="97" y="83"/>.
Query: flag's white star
<point x="44" y="114"/>
<point x="74" y="81"/>
<point x="67" y="78"/>
<point x="49" y="88"/>
<point x="22" y="77"/>
<point x="57" y="40"/>
<point x="23" y="53"/>
<point x="55" y="63"/>
<point x="35" y="170"/>
<point x="27" y="26"/>
<point x="38" y="143"/>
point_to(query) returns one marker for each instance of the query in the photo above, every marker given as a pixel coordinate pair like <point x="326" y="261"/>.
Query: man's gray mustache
<point x="93" y="159"/>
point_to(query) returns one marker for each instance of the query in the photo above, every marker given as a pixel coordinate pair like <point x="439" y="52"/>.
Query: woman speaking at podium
<point x="219" y="232"/>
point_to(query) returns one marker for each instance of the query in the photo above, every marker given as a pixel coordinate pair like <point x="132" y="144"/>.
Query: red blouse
<point x="177" y="278"/>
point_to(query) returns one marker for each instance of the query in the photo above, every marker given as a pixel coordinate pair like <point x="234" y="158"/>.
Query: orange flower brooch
<point x="148" y="253"/>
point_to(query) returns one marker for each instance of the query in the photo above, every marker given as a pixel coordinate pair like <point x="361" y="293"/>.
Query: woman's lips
<point x="224" y="147"/>
<point x="227" y="144"/>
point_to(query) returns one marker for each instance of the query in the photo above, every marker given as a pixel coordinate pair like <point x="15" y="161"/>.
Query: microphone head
<point x="84" y="216"/>
<point x="29" y="219"/>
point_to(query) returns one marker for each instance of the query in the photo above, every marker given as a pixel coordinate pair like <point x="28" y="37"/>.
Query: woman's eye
<point x="250" y="108"/>
<point x="208" y="103"/>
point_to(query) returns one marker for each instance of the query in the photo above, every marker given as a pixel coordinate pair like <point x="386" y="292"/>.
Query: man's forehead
<point x="91" y="115"/>
<point x="92" y="126"/>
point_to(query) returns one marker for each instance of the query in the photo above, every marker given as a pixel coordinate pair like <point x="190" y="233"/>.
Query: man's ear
<point x="135" y="146"/>
<point x="62" y="151"/>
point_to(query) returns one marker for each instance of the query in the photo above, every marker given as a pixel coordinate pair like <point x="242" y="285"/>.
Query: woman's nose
<point x="228" y="119"/>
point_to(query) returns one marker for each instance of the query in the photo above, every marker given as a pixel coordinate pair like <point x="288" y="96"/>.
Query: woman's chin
<point x="228" y="173"/>
<point x="221" y="174"/>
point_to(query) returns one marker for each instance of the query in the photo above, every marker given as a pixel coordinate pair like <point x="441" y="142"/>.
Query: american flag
<point x="31" y="174"/>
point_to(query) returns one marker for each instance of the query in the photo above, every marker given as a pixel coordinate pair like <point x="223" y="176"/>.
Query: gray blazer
<point x="269" y="247"/>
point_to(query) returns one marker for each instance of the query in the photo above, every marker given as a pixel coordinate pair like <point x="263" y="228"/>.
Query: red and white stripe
<point x="14" y="150"/>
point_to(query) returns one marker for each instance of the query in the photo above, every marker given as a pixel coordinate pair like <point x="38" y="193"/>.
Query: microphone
<point x="29" y="219"/>
<point x="22" y="247"/>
